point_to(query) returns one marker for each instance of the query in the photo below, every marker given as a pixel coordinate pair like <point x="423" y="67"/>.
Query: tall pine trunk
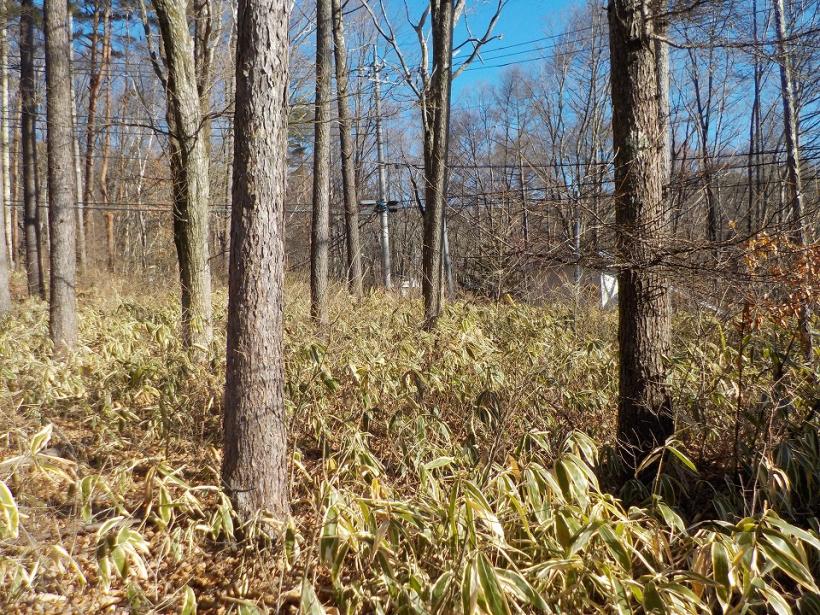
<point x="347" y="146"/>
<point x="62" y="297"/>
<point x="254" y="466"/>
<point x="644" y="401"/>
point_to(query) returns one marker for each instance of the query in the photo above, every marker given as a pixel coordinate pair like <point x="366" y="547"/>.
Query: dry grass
<point x="432" y="472"/>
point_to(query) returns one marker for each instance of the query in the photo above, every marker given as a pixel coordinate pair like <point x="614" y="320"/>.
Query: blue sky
<point x="521" y="21"/>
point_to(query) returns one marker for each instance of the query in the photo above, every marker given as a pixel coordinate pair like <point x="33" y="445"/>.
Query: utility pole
<point x="381" y="204"/>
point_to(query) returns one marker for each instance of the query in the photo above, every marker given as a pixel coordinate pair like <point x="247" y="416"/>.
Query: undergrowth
<point x="464" y="470"/>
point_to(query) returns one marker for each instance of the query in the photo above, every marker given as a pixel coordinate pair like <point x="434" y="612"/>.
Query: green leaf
<point x="495" y="600"/>
<point x="469" y="589"/>
<point x="188" y="601"/>
<point x="616" y="547"/>
<point x="439" y="462"/>
<point x="119" y="560"/>
<point x="309" y="602"/>
<point x="108" y="525"/>
<point x="673" y="519"/>
<point x="775" y="600"/>
<point x="519" y="587"/>
<point x="11" y="516"/>
<point x="652" y="601"/>
<point x="721" y="568"/>
<point x="438" y="592"/>
<point x="790" y="530"/>
<point x="809" y="604"/>
<point x="788" y="564"/>
<point x="688" y="463"/>
<point x="165" y="505"/>
<point x="40" y="440"/>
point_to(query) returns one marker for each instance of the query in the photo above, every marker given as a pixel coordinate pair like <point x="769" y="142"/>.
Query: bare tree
<point x="353" y="243"/>
<point x="63" y="256"/>
<point x="795" y="183"/>
<point x="436" y="114"/>
<point x="430" y="83"/>
<point x="28" y="132"/>
<point x="98" y="63"/>
<point x="320" y="223"/>
<point x="189" y="170"/>
<point x="644" y="402"/>
<point x="254" y="467"/>
<point x="103" y="175"/>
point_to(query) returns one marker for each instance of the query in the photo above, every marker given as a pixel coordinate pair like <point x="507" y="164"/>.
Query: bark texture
<point x="189" y="170"/>
<point x="798" y="230"/>
<point x="644" y="403"/>
<point x="347" y="147"/>
<point x="254" y="467"/>
<point x="97" y="67"/>
<point x="436" y="122"/>
<point x="5" y="158"/>
<point x="6" y="251"/>
<point x="28" y="136"/>
<point x="63" y="254"/>
<point x="78" y="163"/>
<point x="320" y="223"/>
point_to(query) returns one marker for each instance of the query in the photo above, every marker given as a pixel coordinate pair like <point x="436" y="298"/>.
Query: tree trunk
<point x="62" y="298"/>
<point x="96" y="68"/>
<point x="5" y="159"/>
<point x="110" y="244"/>
<point x="795" y="183"/>
<point x="644" y="402"/>
<point x="103" y="177"/>
<point x="17" y="210"/>
<point x="6" y="250"/>
<point x="28" y="136"/>
<point x="351" y="198"/>
<point x="662" y="79"/>
<point x="79" y="213"/>
<point x="189" y="169"/>
<point x="436" y="121"/>
<point x="254" y="467"/>
<point x="320" y="223"/>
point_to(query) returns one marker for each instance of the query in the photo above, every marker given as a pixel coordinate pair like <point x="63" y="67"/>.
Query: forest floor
<point x="447" y="471"/>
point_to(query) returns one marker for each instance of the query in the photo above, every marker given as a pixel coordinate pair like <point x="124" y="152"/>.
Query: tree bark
<point x="795" y="183"/>
<point x="17" y="210"/>
<point x="320" y="223"/>
<point x="79" y="214"/>
<point x="63" y="257"/>
<point x="644" y="401"/>
<point x="189" y="170"/>
<point x="103" y="176"/>
<point x="6" y="250"/>
<point x="28" y="136"/>
<point x="254" y="467"/>
<point x="351" y="198"/>
<point x="5" y="159"/>
<point x="110" y="244"/>
<point x="436" y="122"/>
<point x="97" y="68"/>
